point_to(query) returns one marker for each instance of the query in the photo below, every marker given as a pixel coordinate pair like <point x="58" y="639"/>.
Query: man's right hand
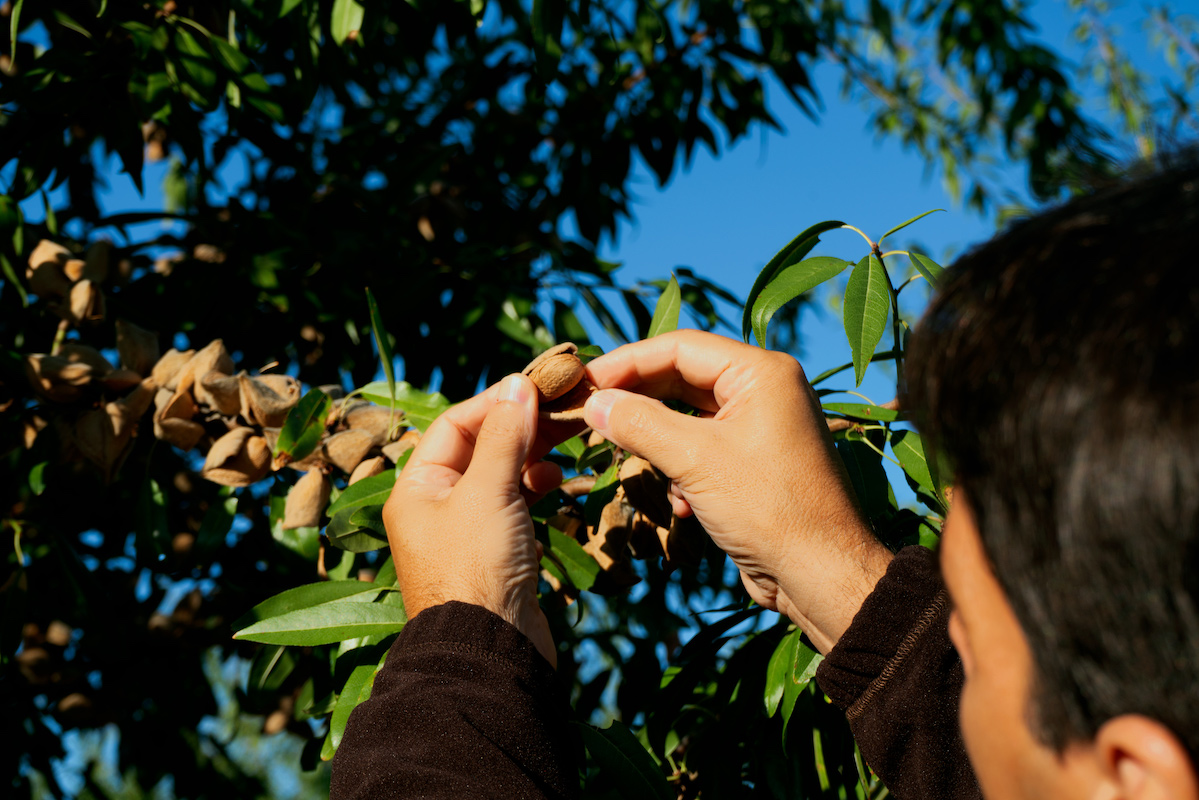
<point x="757" y="468"/>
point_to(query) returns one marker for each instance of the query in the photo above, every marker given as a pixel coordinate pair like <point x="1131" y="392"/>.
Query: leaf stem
<point x="869" y="241"/>
<point x="60" y="336"/>
<point x="896" y="328"/>
<point x="871" y="445"/>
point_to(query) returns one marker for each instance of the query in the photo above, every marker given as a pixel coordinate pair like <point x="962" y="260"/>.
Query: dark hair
<point x="1058" y="369"/>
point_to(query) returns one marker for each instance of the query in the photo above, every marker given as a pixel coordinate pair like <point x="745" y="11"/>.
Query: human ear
<point x="1141" y="759"/>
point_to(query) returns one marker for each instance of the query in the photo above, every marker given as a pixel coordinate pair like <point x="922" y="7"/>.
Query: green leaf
<point x="347" y="17"/>
<point x="930" y="269"/>
<point x="862" y="411"/>
<point x="581" y="569"/>
<point x="196" y="61"/>
<point x="14" y="29"/>
<point x="303" y="428"/>
<point x="870" y="484"/>
<point x="288" y="6"/>
<point x="546" y="19"/>
<point x="601" y="493"/>
<point x="420" y="408"/>
<point x="234" y="59"/>
<point x="357" y="690"/>
<point x="37" y="478"/>
<point x="867" y="303"/>
<point x="151" y="521"/>
<point x="903" y="225"/>
<point x="624" y="760"/>
<point x="382" y="342"/>
<point x="301" y="597"/>
<point x="51" y="218"/>
<point x="348" y="530"/>
<point x="777" y="670"/>
<point x="791" y="282"/>
<point x="218" y="519"/>
<point x="572" y="447"/>
<point x="886" y="355"/>
<point x="10" y="277"/>
<point x="367" y="492"/>
<point x="666" y="313"/>
<point x="328" y="623"/>
<point x="589" y="352"/>
<point x="270" y="667"/>
<point x="909" y="449"/>
<point x="796" y="249"/>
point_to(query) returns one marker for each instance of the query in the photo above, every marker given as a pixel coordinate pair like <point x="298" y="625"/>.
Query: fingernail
<point x="598" y="409"/>
<point x="514" y="389"/>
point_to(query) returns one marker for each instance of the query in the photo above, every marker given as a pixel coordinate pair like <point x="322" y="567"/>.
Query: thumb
<point x="506" y="436"/>
<point x="645" y="426"/>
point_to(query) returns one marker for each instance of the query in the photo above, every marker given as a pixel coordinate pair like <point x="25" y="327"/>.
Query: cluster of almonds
<point x="71" y="284"/>
<point x="638" y="521"/>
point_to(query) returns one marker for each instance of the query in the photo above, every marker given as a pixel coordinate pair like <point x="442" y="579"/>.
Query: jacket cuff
<point x="463" y="626"/>
<point x="907" y="601"/>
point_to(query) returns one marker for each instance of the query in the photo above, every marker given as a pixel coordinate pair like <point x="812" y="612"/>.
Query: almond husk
<point x="307" y="500"/>
<point x="647" y="489"/>
<point x="608" y="544"/>
<point x="56" y="379"/>
<point x="173" y="419"/>
<point x="169" y="366"/>
<point x="47" y="280"/>
<point x="47" y="252"/>
<point x="375" y="420"/>
<point x="569" y="407"/>
<point x="239" y="458"/>
<point x="82" y="354"/>
<point x="346" y="449"/>
<point x="96" y="261"/>
<point x="646" y="538"/>
<point x="219" y="391"/>
<point x="121" y="379"/>
<point x="395" y="451"/>
<point x="73" y="268"/>
<point x="685" y="541"/>
<point x="556" y="371"/>
<point x="84" y="304"/>
<point x="368" y="469"/>
<point x="261" y="404"/>
<point x="213" y="356"/>
<point x="137" y="347"/>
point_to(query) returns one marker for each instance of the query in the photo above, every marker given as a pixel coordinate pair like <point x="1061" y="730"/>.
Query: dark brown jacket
<point x="466" y="707"/>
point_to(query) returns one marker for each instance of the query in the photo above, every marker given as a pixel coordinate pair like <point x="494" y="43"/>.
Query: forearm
<point x="465" y="706"/>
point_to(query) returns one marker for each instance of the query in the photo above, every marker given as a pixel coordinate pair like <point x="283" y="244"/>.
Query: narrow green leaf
<point x="777" y="670"/>
<point x="909" y="449"/>
<point x="382" y="341"/>
<point x="328" y="623"/>
<point x="867" y="303"/>
<point x="870" y="484"/>
<point x="10" y="277"/>
<point x="796" y="249"/>
<point x="51" y="217"/>
<point x="666" y="313"/>
<point x="420" y="408"/>
<point x="287" y="7"/>
<point x="357" y="690"/>
<point x="589" y="352"/>
<point x="572" y="447"/>
<point x="270" y="667"/>
<point x="600" y="494"/>
<point x="196" y="61"/>
<point x="371" y="518"/>
<point x="306" y="596"/>
<point x="930" y="269"/>
<point x="790" y="283"/>
<point x="14" y="29"/>
<point x="346" y="19"/>
<point x="367" y="492"/>
<point x="862" y="411"/>
<point x="886" y="355"/>
<point x="347" y="531"/>
<point x="37" y="478"/>
<point x="624" y="760"/>
<point x="581" y="569"/>
<point x="903" y="225"/>
<point x="303" y="428"/>
<point x="386" y="576"/>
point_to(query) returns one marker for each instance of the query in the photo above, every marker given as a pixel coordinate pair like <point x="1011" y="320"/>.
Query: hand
<point x="757" y="468"/>
<point x="458" y="518"/>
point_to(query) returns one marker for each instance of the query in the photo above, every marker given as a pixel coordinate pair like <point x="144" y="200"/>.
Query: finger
<point x="506" y="436"/>
<point x="679" y="504"/>
<point x="669" y="440"/>
<point x="542" y="477"/>
<point x="699" y="368"/>
<point x="446" y="448"/>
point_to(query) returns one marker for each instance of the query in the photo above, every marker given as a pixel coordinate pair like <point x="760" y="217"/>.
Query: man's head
<point x="1058" y="369"/>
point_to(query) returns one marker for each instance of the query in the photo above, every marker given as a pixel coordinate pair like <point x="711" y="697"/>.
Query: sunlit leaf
<point x="666" y="313"/>
<point x="346" y="20"/>
<point x="347" y="531"/>
<point x="930" y="269"/>
<point x="306" y="596"/>
<point x="327" y="623"/>
<point x="867" y="303"/>
<point x="382" y="341"/>
<point x="420" y="408"/>
<point x="863" y="411"/>
<point x="796" y="249"/>
<point x="581" y="569"/>
<point x="356" y="690"/>
<point x="790" y="283"/>
<point x="303" y="428"/>
<point x="903" y="225"/>
<point x="367" y="492"/>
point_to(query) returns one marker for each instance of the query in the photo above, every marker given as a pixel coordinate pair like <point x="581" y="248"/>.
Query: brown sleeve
<point x="898" y="679"/>
<point x="465" y="706"/>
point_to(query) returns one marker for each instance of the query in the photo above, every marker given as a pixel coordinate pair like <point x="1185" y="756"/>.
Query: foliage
<point x="435" y="152"/>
